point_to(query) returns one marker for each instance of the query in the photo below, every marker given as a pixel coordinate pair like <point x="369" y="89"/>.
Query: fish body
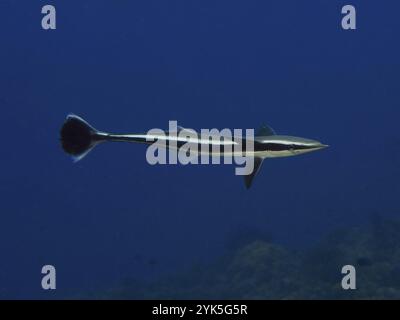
<point x="78" y="138"/>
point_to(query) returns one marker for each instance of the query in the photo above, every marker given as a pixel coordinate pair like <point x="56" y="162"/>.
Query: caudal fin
<point x="78" y="137"/>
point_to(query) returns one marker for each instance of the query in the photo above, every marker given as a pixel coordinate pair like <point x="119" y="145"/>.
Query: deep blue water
<point x="129" y="66"/>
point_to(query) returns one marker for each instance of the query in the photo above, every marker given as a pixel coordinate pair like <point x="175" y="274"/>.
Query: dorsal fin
<point x="248" y="179"/>
<point x="265" y="131"/>
<point x="182" y="129"/>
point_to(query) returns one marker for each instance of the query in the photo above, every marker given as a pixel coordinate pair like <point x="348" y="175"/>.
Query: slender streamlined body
<point x="78" y="138"/>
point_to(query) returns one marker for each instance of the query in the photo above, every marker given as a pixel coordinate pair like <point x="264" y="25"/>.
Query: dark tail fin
<point x="78" y="137"/>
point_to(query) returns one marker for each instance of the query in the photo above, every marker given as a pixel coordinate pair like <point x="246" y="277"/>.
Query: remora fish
<point x="78" y="137"/>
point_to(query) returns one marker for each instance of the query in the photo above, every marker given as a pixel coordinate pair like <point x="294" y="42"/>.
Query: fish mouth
<point x="317" y="146"/>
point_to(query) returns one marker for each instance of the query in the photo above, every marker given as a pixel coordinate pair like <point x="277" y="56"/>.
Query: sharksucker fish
<point x="78" y="138"/>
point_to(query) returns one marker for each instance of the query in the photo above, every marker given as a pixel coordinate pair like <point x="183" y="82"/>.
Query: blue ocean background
<point x="129" y="66"/>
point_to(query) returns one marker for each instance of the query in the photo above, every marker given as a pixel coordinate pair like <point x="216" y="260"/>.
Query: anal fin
<point x="248" y="179"/>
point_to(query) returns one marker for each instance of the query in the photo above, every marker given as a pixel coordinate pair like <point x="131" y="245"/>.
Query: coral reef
<point x="260" y="269"/>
